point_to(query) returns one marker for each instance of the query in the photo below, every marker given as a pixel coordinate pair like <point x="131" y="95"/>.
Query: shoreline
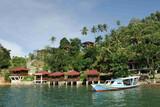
<point x="141" y="83"/>
<point x="5" y="84"/>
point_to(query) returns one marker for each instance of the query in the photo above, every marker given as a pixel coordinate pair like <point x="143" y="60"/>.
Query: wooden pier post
<point x="66" y="83"/>
<point x="61" y="83"/>
<point x="86" y="83"/>
<point x="41" y="79"/>
<point x="35" y="79"/>
<point x="92" y="82"/>
<point x="99" y="82"/>
<point x="79" y="83"/>
<point x="71" y="83"/>
<point x="54" y="83"/>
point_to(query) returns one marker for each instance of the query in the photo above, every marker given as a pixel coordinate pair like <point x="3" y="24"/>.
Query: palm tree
<point x="105" y="27"/>
<point x="118" y="22"/>
<point x="100" y="27"/>
<point x="98" y="39"/>
<point x="84" y="31"/>
<point x="52" y="39"/>
<point x="94" y="29"/>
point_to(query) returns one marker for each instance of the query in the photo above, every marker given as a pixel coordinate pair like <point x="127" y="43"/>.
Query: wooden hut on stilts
<point x="56" y="78"/>
<point x="18" y="74"/>
<point x="41" y="77"/>
<point x="92" y="76"/>
<point x="72" y="77"/>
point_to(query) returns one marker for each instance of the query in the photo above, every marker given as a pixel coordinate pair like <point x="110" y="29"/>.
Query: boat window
<point x="112" y="82"/>
<point x="107" y="82"/>
<point x="119" y="83"/>
<point x="135" y="81"/>
<point x="127" y="82"/>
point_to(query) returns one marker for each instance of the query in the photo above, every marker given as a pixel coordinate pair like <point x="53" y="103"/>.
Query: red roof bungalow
<point x="17" y="74"/>
<point x="92" y="75"/>
<point x="42" y="73"/>
<point x="19" y="71"/>
<point x="73" y="76"/>
<point x="41" y="77"/>
<point x="56" y="76"/>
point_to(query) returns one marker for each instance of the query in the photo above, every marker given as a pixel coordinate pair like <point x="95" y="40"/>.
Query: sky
<point x="28" y="25"/>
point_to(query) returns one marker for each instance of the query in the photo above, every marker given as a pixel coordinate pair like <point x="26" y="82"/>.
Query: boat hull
<point x="104" y="87"/>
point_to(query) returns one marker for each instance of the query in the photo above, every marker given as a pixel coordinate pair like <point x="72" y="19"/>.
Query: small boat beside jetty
<point x="117" y="84"/>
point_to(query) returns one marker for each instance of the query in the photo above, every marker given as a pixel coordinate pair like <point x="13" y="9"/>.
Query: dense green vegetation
<point x="6" y="61"/>
<point x="18" y="62"/>
<point x="4" y="57"/>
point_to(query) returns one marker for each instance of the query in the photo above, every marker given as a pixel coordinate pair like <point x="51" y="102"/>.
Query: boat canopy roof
<point x="130" y="77"/>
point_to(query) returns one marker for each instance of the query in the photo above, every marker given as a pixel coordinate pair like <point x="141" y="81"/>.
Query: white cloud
<point x="16" y="50"/>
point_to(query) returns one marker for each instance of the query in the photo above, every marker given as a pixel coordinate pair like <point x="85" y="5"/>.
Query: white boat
<point x="117" y="84"/>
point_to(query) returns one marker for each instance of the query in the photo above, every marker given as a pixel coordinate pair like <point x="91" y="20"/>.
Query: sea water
<point x="54" y="96"/>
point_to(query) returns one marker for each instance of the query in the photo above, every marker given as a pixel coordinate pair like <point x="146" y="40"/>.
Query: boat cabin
<point x="129" y="81"/>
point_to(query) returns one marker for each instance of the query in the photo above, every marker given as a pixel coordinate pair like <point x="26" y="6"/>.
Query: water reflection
<point x="111" y="97"/>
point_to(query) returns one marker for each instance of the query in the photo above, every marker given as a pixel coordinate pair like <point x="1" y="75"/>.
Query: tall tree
<point x="18" y="61"/>
<point x="64" y="44"/>
<point x="75" y="46"/>
<point x="105" y="27"/>
<point x="118" y="22"/>
<point x="100" y="27"/>
<point x="98" y="40"/>
<point x="84" y="31"/>
<point x="52" y="39"/>
<point x="4" y="57"/>
<point x="94" y="29"/>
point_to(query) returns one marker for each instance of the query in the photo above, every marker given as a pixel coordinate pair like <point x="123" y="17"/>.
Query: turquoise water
<point x="44" y="96"/>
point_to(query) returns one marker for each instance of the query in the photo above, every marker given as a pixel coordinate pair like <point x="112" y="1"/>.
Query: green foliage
<point x="120" y="70"/>
<point x="82" y="77"/>
<point x="45" y="67"/>
<point x="57" y="60"/>
<point x="75" y="46"/>
<point x="94" y="29"/>
<point x="4" y="57"/>
<point x="31" y="56"/>
<point x="53" y="39"/>
<point x="64" y="44"/>
<point x="98" y="40"/>
<point x="5" y="73"/>
<point x="6" y="76"/>
<point x="18" y="61"/>
<point x="66" y="57"/>
<point x="139" y="41"/>
<point x="28" y="78"/>
<point x="84" y="31"/>
<point x="118" y="23"/>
